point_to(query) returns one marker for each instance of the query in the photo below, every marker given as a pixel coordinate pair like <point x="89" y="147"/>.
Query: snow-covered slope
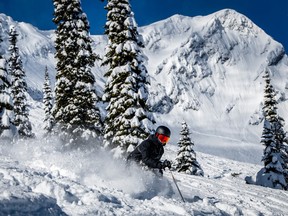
<point x="206" y="70"/>
<point x="40" y="178"/>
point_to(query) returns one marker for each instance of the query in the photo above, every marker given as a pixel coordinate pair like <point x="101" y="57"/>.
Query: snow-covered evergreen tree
<point x="48" y="103"/>
<point x="128" y="119"/>
<point x="273" y="136"/>
<point x="284" y="147"/>
<point x="75" y="111"/>
<point x="7" y="127"/>
<point x="19" y="88"/>
<point x="186" y="157"/>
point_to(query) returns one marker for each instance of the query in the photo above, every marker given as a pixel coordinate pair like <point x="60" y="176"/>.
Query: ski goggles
<point x="163" y="139"/>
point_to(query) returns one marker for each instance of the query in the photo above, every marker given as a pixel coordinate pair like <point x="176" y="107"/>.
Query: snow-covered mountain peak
<point x="213" y="70"/>
<point x="233" y="20"/>
<point x="175" y="24"/>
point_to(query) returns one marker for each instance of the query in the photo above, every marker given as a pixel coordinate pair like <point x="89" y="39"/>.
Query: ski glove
<point x="159" y="165"/>
<point x="166" y="163"/>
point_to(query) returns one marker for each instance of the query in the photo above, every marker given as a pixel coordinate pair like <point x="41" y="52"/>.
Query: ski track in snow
<point x="40" y="187"/>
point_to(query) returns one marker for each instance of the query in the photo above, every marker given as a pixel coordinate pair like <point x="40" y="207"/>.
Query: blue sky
<point x="271" y="16"/>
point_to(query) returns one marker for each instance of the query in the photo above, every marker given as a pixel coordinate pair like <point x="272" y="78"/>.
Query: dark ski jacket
<point x="149" y="152"/>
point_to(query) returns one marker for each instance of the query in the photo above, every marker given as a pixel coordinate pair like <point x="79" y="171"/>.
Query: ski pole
<point x="174" y="180"/>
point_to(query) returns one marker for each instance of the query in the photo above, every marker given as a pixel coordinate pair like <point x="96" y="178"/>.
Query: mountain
<point x="206" y="70"/>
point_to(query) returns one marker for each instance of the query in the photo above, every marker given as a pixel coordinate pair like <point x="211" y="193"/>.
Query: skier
<point x="150" y="151"/>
